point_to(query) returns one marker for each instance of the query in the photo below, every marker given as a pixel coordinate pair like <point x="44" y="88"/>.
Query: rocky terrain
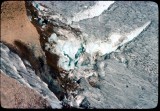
<point x="16" y="28"/>
<point x="17" y="95"/>
<point x="81" y="54"/>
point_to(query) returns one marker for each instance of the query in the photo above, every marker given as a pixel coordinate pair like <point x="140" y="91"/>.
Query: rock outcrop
<point x="96" y="47"/>
<point x="17" y="95"/>
<point x="90" y="54"/>
<point x="21" y="70"/>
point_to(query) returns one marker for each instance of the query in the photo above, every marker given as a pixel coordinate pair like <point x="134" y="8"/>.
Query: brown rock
<point x="16" y="95"/>
<point x="15" y="24"/>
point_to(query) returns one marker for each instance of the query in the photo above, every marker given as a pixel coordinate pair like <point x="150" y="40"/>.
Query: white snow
<point x="93" y="11"/>
<point x="79" y="99"/>
<point x="67" y="48"/>
<point x="136" y="32"/>
<point x="52" y="38"/>
<point x="115" y="42"/>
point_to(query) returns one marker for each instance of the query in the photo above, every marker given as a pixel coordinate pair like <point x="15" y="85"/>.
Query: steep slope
<point x="74" y="54"/>
<point x="15" y="25"/>
<point x="21" y="70"/>
<point x="16" y="95"/>
<point x="116" y="73"/>
<point x="21" y="37"/>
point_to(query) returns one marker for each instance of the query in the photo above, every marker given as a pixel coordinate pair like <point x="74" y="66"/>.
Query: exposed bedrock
<point x="108" y="50"/>
<point x="21" y="69"/>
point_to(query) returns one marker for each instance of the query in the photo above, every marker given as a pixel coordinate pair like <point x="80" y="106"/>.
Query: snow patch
<point x="79" y="99"/>
<point x="74" y="51"/>
<point x="93" y="11"/>
<point x="136" y="32"/>
<point x="115" y="40"/>
<point x="53" y="38"/>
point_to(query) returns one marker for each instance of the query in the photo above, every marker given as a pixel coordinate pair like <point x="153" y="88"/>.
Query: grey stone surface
<point x="128" y="77"/>
<point x="13" y="66"/>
